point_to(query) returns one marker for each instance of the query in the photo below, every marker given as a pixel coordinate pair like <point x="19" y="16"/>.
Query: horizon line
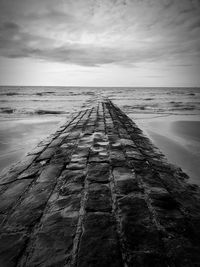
<point x="1" y="85"/>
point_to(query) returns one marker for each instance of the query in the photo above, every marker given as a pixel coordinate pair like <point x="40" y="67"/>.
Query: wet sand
<point x="18" y="137"/>
<point x="180" y="143"/>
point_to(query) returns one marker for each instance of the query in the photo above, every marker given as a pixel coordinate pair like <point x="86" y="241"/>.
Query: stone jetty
<point x="98" y="193"/>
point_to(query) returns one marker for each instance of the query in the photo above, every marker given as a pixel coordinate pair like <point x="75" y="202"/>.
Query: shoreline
<point x="178" y="140"/>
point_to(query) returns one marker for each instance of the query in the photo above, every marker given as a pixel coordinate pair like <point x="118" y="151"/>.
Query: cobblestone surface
<point x="98" y="193"/>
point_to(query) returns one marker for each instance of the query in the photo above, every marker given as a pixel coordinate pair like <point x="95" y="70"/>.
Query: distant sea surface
<point x="27" y="101"/>
<point x="169" y="116"/>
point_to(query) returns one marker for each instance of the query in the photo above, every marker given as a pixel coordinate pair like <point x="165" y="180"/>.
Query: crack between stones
<point x="115" y="209"/>
<point x="72" y="261"/>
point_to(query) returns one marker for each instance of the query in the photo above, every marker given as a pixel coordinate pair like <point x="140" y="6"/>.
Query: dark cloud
<point x="9" y="26"/>
<point x="94" y="33"/>
<point x="195" y="23"/>
<point x="86" y="55"/>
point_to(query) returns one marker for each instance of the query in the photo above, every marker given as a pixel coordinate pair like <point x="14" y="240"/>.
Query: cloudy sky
<point x="100" y="42"/>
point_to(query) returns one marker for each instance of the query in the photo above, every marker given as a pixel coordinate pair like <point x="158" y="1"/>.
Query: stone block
<point x="47" y="154"/>
<point x="68" y="203"/>
<point x="149" y="259"/>
<point x="28" y="212"/>
<point x="98" y="198"/>
<point x="32" y="172"/>
<point x="76" y="166"/>
<point x="134" y="154"/>
<point x="11" y="246"/>
<point x="99" y="245"/>
<point x="117" y="158"/>
<point x="123" y="173"/>
<point x="125" y="187"/>
<point x="98" y="172"/>
<point x="13" y="192"/>
<point x="138" y="231"/>
<point x="77" y="176"/>
<point x="53" y="241"/>
<point x="70" y="188"/>
<point x="50" y="173"/>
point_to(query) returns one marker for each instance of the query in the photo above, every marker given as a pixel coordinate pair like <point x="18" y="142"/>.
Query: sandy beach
<point x="19" y="136"/>
<point x="179" y="140"/>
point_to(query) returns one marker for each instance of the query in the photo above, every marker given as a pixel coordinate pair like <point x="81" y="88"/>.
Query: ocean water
<point x="28" y="101"/>
<point x="29" y="114"/>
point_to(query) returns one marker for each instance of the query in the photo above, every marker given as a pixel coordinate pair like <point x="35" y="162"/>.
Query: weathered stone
<point x="67" y="145"/>
<point x="139" y="166"/>
<point x="77" y="176"/>
<point x="99" y="244"/>
<point x="98" y="198"/>
<point x="148" y="259"/>
<point x="150" y="179"/>
<point x="181" y="252"/>
<point x="46" y="142"/>
<point x="81" y="151"/>
<point x="123" y="173"/>
<point x="61" y="155"/>
<point x="139" y="232"/>
<point x="53" y="241"/>
<point x="63" y="135"/>
<point x="79" y="159"/>
<point x="162" y="199"/>
<point x="56" y="142"/>
<point x="66" y="203"/>
<point x="31" y="208"/>
<point x="97" y="157"/>
<point x="76" y="166"/>
<point x="86" y="141"/>
<point x="11" y="246"/>
<point x="47" y="154"/>
<point x="98" y="172"/>
<point x="89" y="130"/>
<point x="15" y="170"/>
<point x="74" y="134"/>
<point x="13" y="192"/>
<point x="167" y="210"/>
<point x="50" y="173"/>
<point x="161" y="165"/>
<point x="32" y="172"/>
<point x="128" y="144"/>
<point x="117" y="158"/>
<point x="134" y="154"/>
<point x="71" y="188"/>
<point x="8" y="177"/>
<point x="37" y="150"/>
<point x="127" y="186"/>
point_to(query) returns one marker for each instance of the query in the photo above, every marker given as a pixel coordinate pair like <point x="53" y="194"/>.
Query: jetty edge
<point x="98" y="193"/>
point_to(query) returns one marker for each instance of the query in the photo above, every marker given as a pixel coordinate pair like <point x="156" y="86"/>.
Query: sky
<point x="100" y="42"/>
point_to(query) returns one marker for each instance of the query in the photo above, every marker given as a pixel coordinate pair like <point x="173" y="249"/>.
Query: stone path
<point x="98" y="193"/>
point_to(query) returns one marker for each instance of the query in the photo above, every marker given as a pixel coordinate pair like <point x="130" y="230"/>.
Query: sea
<point x="27" y="101"/>
<point x="29" y="114"/>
